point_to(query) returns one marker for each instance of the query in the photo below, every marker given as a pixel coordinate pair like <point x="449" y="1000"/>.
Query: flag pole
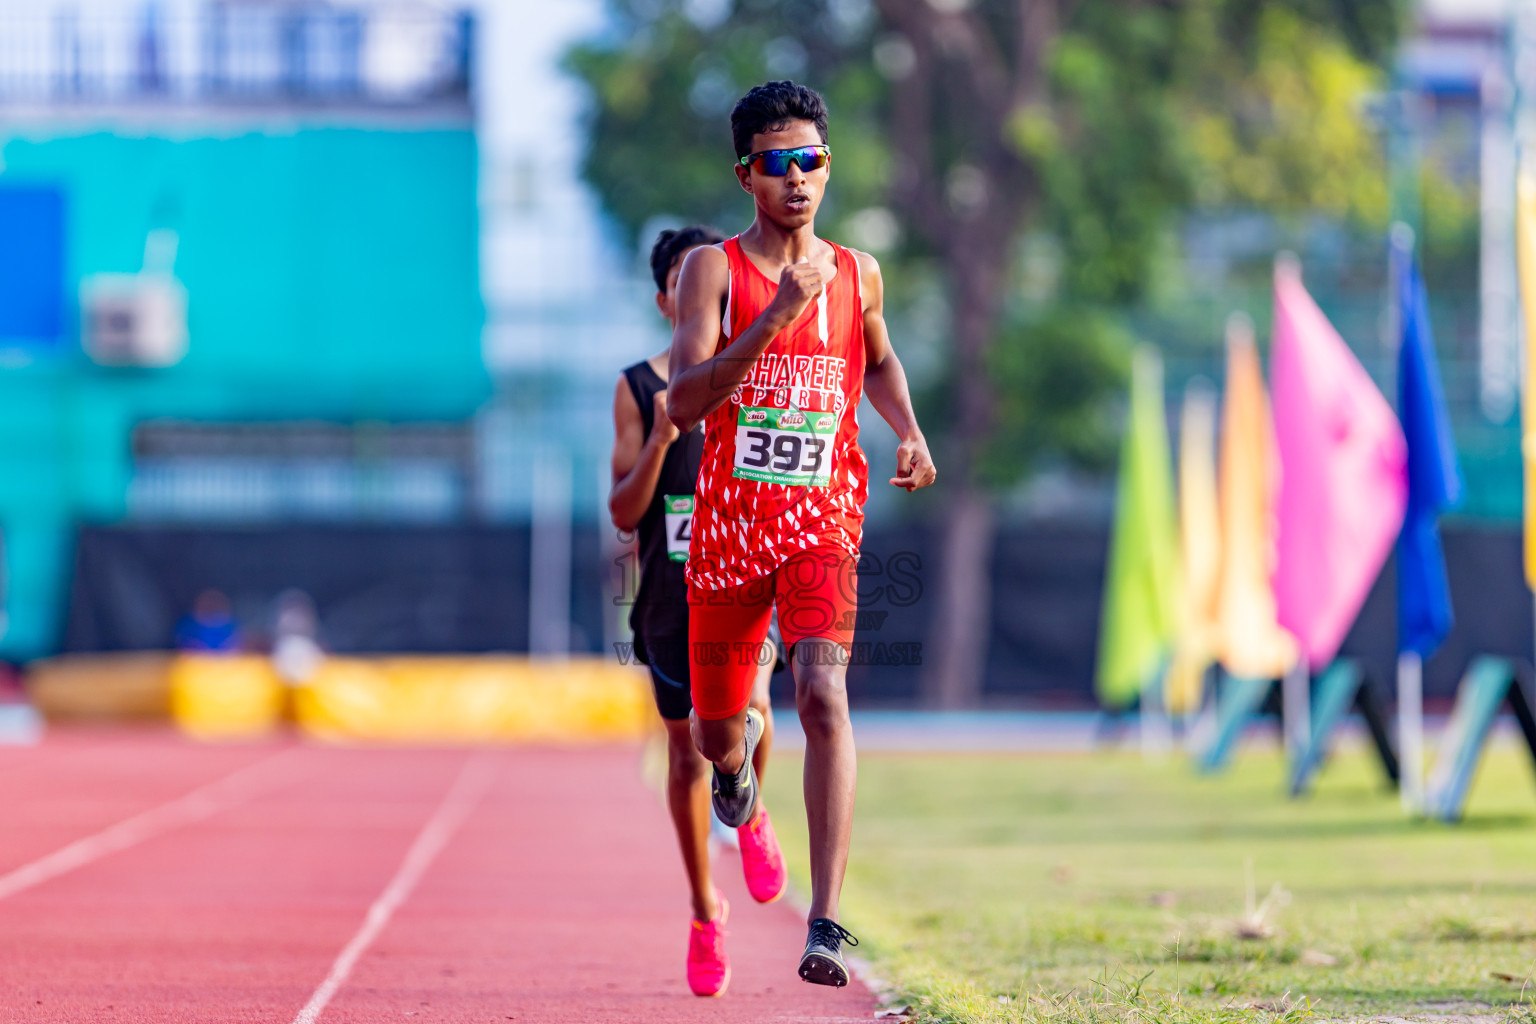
<point x="1410" y="729"/>
<point x="1296" y="708"/>
<point x="1523" y="362"/>
<point x="1156" y="729"/>
<point x="1410" y="666"/>
<point x="1296" y="684"/>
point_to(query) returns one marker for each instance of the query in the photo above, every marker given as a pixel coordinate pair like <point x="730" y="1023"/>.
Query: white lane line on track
<point x="467" y="790"/>
<point x="203" y="802"/>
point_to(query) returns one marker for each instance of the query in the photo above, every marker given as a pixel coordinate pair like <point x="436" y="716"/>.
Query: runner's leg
<point x="688" y="800"/>
<point x="817" y="601"/>
<point x="762" y="860"/>
<point x="687" y="774"/>
<point x="719" y="740"/>
<point x="761" y="702"/>
<point x="831" y="768"/>
<point x="726" y="628"/>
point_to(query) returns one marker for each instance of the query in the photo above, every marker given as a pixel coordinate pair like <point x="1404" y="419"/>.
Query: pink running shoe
<point x="761" y="859"/>
<point x="709" y="969"/>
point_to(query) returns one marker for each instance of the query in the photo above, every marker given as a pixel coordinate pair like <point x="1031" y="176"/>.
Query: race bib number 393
<point x="784" y="446"/>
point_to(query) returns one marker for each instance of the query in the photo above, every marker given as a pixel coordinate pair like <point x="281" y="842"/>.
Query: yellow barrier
<point x="458" y="700"/>
<point x="127" y="687"/>
<point x="492" y="699"/>
<point x="225" y="696"/>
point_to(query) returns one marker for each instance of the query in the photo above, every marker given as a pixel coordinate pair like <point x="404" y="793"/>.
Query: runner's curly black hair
<point x="670" y="246"/>
<point x="770" y="107"/>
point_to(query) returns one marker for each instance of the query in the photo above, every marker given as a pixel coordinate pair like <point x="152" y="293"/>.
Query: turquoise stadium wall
<point x="332" y="274"/>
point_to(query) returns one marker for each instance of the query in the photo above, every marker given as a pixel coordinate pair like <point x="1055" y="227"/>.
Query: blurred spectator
<point x="12" y="688"/>
<point x="210" y="626"/>
<point x="296" y="651"/>
<point x="20" y="722"/>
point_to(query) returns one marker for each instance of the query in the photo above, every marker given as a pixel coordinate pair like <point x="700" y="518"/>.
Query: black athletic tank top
<point x="660" y="614"/>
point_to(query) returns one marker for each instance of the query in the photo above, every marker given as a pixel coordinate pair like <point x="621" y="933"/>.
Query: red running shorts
<point x="816" y="592"/>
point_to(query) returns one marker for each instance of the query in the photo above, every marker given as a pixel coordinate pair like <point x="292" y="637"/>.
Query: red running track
<point x="527" y="885"/>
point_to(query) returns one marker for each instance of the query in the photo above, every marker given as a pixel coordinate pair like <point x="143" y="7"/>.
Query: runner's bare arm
<point x="702" y="379"/>
<point x="636" y="458"/>
<point x="886" y="383"/>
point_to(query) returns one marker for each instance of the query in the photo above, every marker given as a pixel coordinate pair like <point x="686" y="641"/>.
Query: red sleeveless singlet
<point x="782" y="469"/>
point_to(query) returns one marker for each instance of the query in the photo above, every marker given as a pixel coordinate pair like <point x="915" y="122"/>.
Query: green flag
<point x="1141" y="587"/>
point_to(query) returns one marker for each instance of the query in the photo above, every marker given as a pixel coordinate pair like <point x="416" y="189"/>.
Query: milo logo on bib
<point x="784" y="446"/>
<point x="677" y="516"/>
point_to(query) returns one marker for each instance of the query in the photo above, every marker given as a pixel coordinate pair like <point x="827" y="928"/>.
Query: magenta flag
<point x="1343" y="473"/>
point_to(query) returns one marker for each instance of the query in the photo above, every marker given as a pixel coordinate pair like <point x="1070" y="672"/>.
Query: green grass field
<point x="1099" y="887"/>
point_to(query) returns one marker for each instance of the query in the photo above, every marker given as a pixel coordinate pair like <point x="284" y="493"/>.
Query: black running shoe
<point x="822" y="962"/>
<point x="735" y="796"/>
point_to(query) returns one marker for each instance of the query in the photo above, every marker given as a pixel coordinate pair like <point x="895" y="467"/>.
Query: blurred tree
<point x="961" y="125"/>
<point x="662" y="81"/>
<point x="1056" y="374"/>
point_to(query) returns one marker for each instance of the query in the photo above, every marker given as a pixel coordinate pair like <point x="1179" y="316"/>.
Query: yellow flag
<point x="1250" y="644"/>
<point x="1525" y="249"/>
<point x="1200" y="543"/>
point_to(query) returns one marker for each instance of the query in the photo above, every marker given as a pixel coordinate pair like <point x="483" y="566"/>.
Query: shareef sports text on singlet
<point x="787" y="419"/>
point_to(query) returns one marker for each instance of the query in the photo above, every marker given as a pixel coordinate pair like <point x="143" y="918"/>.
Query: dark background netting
<point x="465" y="589"/>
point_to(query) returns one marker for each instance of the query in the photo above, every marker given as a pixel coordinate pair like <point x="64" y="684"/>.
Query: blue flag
<point x="1434" y="482"/>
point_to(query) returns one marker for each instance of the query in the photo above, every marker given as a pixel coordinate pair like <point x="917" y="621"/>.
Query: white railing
<point x="235" y="51"/>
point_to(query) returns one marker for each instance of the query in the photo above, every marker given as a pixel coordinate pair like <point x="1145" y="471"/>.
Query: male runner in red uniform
<point x="777" y="335"/>
<point x="655" y="468"/>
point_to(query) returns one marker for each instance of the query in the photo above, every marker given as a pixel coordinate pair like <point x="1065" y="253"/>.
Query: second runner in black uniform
<point x="655" y="470"/>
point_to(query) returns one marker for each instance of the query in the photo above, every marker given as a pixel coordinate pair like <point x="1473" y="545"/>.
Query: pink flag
<point x="1343" y="473"/>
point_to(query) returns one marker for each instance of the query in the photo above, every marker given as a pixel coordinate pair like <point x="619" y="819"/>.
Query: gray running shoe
<point x="822" y="961"/>
<point x="735" y="796"/>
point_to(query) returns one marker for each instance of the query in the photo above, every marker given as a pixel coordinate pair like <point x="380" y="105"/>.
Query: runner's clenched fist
<point x="914" y="466"/>
<point x="799" y="284"/>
